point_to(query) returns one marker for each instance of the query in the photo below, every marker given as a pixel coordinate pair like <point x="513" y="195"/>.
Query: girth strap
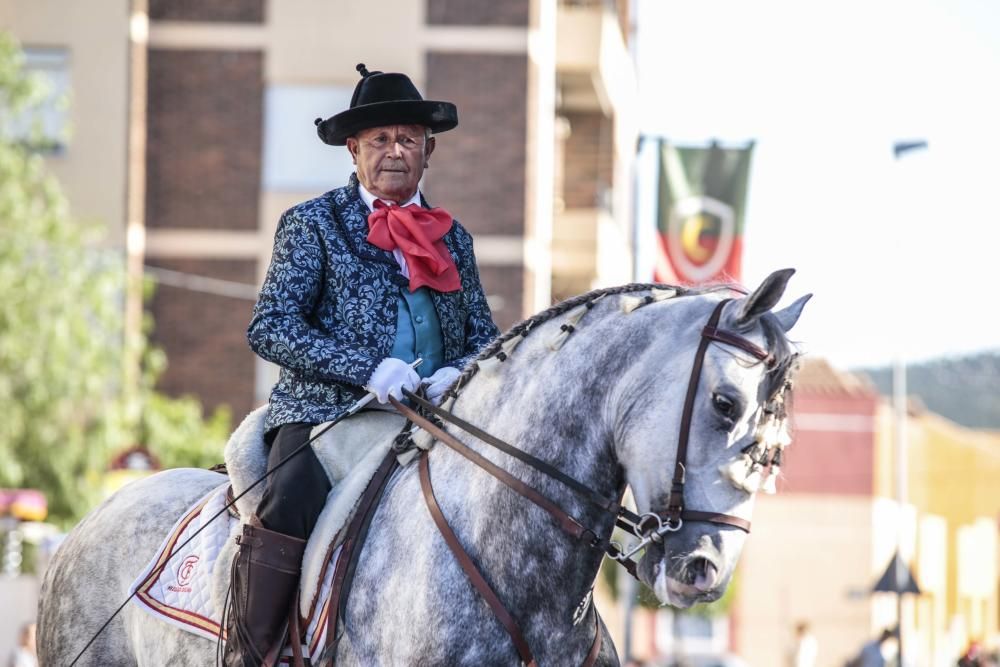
<point x="470" y="569"/>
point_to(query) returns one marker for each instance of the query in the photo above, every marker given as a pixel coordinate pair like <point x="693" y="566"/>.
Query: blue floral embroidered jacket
<point x="327" y="311"/>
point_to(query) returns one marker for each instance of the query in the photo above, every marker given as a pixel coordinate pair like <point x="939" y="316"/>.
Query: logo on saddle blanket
<point x="184" y="575"/>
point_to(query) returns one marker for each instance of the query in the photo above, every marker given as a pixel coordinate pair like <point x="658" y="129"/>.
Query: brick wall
<point x="205" y="116"/>
<point x="506" y="282"/>
<point x="478" y="169"/>
<point x="588" y="164"/>
<point x="204" y="336"/>
<point x="233" y="11"/>
<point x="478" y="12"/>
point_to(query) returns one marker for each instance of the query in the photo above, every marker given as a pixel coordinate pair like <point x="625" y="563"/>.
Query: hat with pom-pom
<point x="385" y="99"/>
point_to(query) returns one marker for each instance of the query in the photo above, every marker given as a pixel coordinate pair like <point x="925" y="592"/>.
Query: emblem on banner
<point x="700" y="237"/>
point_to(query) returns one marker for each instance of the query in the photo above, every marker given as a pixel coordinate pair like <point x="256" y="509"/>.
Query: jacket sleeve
<point x="479" y="326"/>
<point x="281" y="328"/>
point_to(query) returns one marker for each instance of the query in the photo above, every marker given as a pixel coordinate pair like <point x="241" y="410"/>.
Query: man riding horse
<point x="363" y="280"/>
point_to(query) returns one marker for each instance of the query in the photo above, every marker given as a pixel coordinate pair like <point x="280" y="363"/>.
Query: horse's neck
<point x="537" y="567"/>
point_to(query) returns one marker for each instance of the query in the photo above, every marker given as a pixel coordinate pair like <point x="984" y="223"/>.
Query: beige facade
<point x="597" y="93"/>
<point x="546" y="94"/>
<point x="819" y="546"/>
<point x="809" y="559"/>
<point x="94" y="37"/>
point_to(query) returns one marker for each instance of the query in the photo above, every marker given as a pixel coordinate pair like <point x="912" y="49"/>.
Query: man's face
<point x="390" y="160"/>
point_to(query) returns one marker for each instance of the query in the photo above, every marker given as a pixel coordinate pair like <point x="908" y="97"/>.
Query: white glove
<point x="439" y="382"/>
<point x="390" y="378"/>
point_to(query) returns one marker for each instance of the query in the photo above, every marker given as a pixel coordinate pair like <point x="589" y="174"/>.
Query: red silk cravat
<point x="418" y="233"/>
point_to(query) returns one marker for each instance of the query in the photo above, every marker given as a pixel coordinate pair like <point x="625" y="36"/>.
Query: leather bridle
<point x="650" y="527"/>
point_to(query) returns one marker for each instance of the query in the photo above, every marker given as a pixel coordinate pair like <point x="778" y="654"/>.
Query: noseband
<point x="650" y="527"/>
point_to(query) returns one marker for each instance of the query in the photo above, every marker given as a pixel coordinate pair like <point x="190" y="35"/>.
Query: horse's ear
<point x="763" y="299"/>
<point x="787" y="317"/>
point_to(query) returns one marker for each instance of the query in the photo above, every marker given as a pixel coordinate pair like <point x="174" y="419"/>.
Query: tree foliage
<point x="61" y="335"/>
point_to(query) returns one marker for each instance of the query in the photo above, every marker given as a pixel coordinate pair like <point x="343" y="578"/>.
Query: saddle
<point x="350" y="453"/>
<point x="190" y="585"/>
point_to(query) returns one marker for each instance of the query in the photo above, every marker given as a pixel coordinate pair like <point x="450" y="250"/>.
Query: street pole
<point x="135" y="203"/>
<point x="899" y="409"/>
<point x="901" y="149"/>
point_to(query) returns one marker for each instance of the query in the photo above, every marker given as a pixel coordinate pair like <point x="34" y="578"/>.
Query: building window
<point x="295" y="159"/>
<point x="45" y="125"/>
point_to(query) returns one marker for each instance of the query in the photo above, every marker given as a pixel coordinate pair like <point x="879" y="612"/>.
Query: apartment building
<point x="192" y="130"/>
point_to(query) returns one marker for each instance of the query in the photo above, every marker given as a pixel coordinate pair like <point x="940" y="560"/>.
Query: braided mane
<point x="783" y="352"/>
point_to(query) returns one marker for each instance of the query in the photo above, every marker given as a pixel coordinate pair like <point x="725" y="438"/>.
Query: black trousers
<point x="295" y="493"/>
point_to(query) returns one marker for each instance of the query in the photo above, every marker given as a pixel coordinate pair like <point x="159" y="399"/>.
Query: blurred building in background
<point x="191" y="131"/>
<point x="819" y="546"/>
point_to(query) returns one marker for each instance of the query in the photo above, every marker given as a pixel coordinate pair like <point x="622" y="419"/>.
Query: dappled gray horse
<point x="595" y="386"/>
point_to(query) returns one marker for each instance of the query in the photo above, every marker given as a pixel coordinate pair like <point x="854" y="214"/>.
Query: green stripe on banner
<point x="702" y="198"/>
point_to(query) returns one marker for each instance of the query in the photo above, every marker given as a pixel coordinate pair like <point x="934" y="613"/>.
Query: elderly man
<point x="363" y="280"/>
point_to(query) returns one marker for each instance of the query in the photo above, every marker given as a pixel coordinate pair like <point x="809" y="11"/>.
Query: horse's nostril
<point x="703" y="574"/>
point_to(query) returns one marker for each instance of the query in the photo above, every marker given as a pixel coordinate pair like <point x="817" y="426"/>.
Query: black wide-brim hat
<point x="385" y="99"/>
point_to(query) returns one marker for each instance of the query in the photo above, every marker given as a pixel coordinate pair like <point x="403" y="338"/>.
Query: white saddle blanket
<point x="182" y="592"/>
<point x="187" y="590"/>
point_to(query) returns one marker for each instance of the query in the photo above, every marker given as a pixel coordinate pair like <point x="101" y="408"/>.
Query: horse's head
<point x="736" y="428"/>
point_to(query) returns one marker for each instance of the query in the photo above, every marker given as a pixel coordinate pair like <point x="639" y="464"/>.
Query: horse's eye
<point x="724" y="405"/>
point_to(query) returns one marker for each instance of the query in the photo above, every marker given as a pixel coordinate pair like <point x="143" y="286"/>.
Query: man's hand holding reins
<point x="390" y="378"/>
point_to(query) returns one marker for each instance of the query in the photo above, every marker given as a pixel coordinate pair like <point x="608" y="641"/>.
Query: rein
<point x="642" y="526"/>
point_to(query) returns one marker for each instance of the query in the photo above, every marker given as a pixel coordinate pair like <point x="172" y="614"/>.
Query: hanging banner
<point x="702" y="197"/>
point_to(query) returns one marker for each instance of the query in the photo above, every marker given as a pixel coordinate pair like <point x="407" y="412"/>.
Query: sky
<point x="899" y="254"/>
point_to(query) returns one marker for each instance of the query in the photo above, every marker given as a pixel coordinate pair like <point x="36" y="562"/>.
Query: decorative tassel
<point x="564" y="331"/>
<point x="770" y="482"/>
<point x="422" y="439"/>
<point x="768" y="435"/>
<point x="755" y="451"/>
<point x="508" y="347"/>
<point x="490" y="366"/>
<point x="784" y="437"/>
<point x="630" y="303"/>
<point x="405" y="457"/>
<point x="752" y="482"/>
<point x="573" y="318"/>
<point x="736" y="471"/>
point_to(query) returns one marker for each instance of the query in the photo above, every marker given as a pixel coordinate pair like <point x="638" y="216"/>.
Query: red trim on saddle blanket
<point x="195" y="621"/>
<point x="176" y="574"/>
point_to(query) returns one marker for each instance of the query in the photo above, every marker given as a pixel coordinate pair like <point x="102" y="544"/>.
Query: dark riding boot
<point x="265" y="575"/>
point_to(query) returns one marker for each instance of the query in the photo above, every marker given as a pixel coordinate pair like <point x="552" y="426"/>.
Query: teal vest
<point x="418" y="331"/>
